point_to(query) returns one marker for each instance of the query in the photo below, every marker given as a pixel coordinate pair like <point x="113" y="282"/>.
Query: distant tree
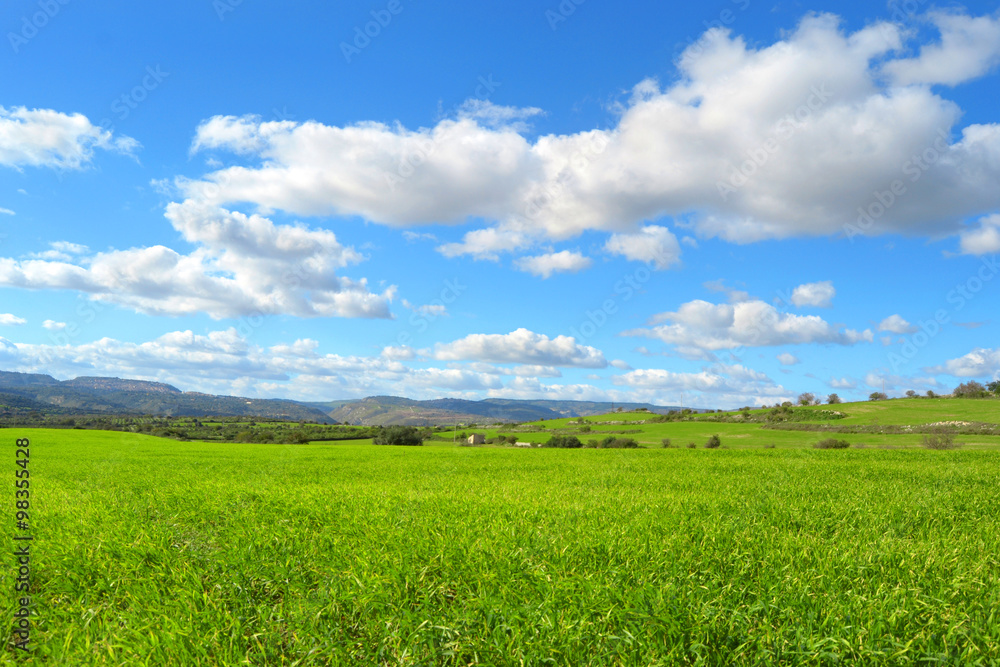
<point x="911" y="394"/>
<point x="806" y="399"/>
<point x="398" y="435"/>
<point x="877" y="396"/>
<point x="833" y="399"/>
<point x="993" y="387"/>
<point x="970" y="389"/>
<point x="931" y="394"/>
<point x="564" y="441"/>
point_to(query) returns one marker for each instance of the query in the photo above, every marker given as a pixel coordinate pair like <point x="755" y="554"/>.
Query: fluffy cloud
<point x="981" y="362"/>
<point x="47" y="138"/>
<point x="969" y="48"/>
<point x="652" y="244"/>
<point x="242" y="265"/>
<point x="749" y="143"/>
<point x="7" y="319"/>
<point x="559" y="262"/>
<point x="814" y="294"/>
<point x="896" y="324"/>
<point x="788" y="359"/>
<point x="521" y="347"/>
<point x="983" y="238"/>
<point x="729" y="384"/>
<point x="843" y="383"/>
<point x="705" y="326"/>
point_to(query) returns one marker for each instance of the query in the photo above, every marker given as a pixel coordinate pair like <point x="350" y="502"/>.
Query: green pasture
<point x="150" y="551"/>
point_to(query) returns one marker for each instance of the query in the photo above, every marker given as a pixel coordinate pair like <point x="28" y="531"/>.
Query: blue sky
<point x="717" y="204"/>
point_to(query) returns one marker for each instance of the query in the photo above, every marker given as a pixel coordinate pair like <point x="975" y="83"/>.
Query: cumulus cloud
<point x="969" y="47"/>
<point x="701" y="325"/>
<point x="981" y="362"/>
<point x="242" y="265"/>
<point x="652" y="244"/>
<point x="818" y="295"/>
<point x="728" y="384"/>
<point x="983" y="238"/>
<point x="52" y="325"/>
<point x="788" y="359"/>
<point x="48" y="138"/>
<point x="559" y="262"/>
<point x="521" y="347"/>
<point x="749" y="143"/>
<point x="896" y="324"/>
<point x="9" y="320"/>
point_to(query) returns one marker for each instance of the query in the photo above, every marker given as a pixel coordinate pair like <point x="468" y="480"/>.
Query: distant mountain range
<point x="102" y="395"/>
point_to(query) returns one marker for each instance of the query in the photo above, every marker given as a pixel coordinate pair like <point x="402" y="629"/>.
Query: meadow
<point x="151" y="551"/>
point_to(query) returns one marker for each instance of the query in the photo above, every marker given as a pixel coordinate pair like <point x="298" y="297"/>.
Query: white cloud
<point x="242" y="265"/>
<point x="843" y="383"/>
<point x="727" y="384"/>
<point x="983" y="239"/>
<point x="981" y="362"/>
<point x="9" y="320"/>
<point x="788" y="359"/>
<point x="6" y="211"/>
<point x="47" y="138"/>
<point x="812" y="117"/>
<point x="492" y="115"/>
<point x="814" y="294"/>
<point x="896" y="324"/>
<point x="701" y="325"/>
<point x="560" y="262"/>
<point x="521" y="347"/>
<point x="652" y="244"/>
<point x="52" y="325"/>
<point x="969" y="48"/>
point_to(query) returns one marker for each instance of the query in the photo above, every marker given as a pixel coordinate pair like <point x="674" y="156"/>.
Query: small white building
<point x="477" y="439"/>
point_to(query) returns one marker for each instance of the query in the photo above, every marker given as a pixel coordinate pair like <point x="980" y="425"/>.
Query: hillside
<point x="384" y="410"/>
<point x="96" y="395"/>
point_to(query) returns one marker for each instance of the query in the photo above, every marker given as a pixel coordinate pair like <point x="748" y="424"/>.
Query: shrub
<point x="665" y="443"/>
<point x="691" y="445"/>
<point x="831" y="443"/>
<point x="585" y="429"/>
<point x="833" y="399"/>
<point x="564" y="442"/>
<point x="911" y="394"/>
<point x="592" y="443"/>
<point x="931" y="394"/>
<point x="940" y="440"/>
<point x="770" y="446"/>
<point x="877" y="396"/>
<point x="612" y="442"/>
<point x="970" y="389"/>
<point x="398" y="435"/>
<point x="713" y="442"/>
<point x="806" y="399"/>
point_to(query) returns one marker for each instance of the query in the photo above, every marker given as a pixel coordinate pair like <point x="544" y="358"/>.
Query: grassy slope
<point x="898" y="411"/>
<point x="152" y="551"/>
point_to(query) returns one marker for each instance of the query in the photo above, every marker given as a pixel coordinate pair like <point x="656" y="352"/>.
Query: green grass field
<point x="156" y="552"/>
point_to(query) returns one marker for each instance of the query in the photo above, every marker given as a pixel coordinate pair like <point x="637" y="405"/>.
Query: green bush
<point x="564" y="442"/>
<point x="612" y="442"/>
<point x="398" y="435"/>
<point x="691" y="445"/>
<point x="714" y="442"/>
<point x="665" y="443"/>
<point x="831" y="443"/>
<point x="940" y="440"/>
